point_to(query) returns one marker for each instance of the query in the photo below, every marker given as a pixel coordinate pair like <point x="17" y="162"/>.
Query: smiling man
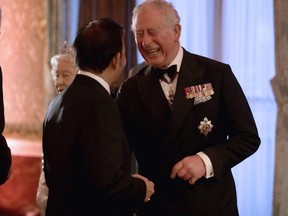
<point x="187" y="119"/>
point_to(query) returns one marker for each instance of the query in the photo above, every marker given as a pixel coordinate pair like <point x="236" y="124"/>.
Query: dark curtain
<point x="120" y="11"/>
<point x="54" y="27"/>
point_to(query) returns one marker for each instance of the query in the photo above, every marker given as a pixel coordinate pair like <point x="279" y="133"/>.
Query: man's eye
<point x="152" y="33"/>
<point x="66" y="74"/>
<point x="139" y="34"/>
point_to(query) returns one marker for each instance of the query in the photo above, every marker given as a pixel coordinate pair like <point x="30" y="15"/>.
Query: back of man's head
<point x="97" y="43"/>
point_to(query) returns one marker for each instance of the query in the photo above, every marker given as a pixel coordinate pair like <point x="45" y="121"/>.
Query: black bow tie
<point x="171" y="72"/>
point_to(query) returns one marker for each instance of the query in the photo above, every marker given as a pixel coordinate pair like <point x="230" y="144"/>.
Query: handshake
<point x="149" y="187"/>
<point x="190" y="168"/>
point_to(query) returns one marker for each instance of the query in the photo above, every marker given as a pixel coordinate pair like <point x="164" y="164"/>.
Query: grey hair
<point x="171" y="16"/>
<point x="66" y="53"/>
<point x="62" y="57"/>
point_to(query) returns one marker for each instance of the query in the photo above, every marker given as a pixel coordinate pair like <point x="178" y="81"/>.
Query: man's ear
<point x="116" y="60"/>
<point x="177" y="31"/>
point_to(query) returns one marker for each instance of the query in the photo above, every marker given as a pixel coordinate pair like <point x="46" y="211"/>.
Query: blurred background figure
<point x="63" y="72"/>
<point x="5" y="152"/>
<point x="63" y="69"/>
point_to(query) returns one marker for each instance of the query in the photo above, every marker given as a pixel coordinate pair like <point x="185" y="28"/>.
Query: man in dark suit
<point x="86" y="154"/>
<point x="188" y="127"/>
<point x="5" y="152"/>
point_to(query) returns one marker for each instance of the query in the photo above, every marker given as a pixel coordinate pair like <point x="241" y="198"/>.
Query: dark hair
<point x="97" y="43"/>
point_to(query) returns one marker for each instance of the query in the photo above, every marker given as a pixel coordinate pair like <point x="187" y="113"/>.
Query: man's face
<point x="122" y="63"/>
<point x="156" y="41"/>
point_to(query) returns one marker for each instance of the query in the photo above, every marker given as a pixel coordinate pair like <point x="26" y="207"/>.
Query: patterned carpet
<point x="17" y="195"/>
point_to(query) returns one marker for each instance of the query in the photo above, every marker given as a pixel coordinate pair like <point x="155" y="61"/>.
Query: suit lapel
<point x="190" y="74"/>
<point x="152" y="93"/>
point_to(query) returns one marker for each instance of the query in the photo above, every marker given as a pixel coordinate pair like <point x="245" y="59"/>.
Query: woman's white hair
<point x="66" y="53"/>
<point x="62" y="57"/>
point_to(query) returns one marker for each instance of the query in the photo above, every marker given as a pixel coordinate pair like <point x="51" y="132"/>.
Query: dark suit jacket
<point x="162" y="137"/>
<point x="86" y="155"/>
<point x="5" y="153"/>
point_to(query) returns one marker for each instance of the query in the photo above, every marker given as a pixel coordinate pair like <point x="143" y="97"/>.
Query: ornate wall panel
<point x="22" y="57"/>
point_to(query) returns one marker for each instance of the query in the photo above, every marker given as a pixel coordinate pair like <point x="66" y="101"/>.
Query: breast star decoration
<point x="205" y="126"/>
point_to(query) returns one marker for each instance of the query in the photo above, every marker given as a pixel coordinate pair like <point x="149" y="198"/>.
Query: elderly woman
<point x="63" y="72"/>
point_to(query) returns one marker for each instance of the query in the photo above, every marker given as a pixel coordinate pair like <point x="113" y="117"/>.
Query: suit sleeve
<point x="237" y="118"/>
<point x="107" y="157"/>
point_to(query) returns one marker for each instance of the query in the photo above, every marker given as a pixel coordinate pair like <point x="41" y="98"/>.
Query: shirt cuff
<point x="208" y="165"/>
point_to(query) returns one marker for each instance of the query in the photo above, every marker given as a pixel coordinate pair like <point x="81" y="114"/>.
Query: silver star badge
<point x="205" y="126"/>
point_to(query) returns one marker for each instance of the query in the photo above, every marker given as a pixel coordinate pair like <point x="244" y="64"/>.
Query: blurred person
<point x="63" y="72"/>
<point x="86" y="154"/>
<point x="187" y="119"/>
<point x="63" y="68"/>
<point x="5" y="151"/>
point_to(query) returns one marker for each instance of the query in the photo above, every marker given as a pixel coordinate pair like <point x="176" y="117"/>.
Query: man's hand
<point x="149" y="187"/>
<point x="190" y="168"/>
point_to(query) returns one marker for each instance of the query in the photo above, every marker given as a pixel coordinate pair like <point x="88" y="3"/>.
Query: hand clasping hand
<point x="149" y="187"/>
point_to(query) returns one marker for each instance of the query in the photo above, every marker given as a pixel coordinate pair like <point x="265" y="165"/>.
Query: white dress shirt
<point x="166" y="87"/>
<point x="97" y="78"/>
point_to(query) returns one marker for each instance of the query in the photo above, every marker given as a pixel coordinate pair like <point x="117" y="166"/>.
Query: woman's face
<point x="63" y="73"/>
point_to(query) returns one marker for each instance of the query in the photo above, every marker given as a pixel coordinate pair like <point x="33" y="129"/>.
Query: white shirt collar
<point x="97" y="78"/>
<point x="178" y="59"/>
